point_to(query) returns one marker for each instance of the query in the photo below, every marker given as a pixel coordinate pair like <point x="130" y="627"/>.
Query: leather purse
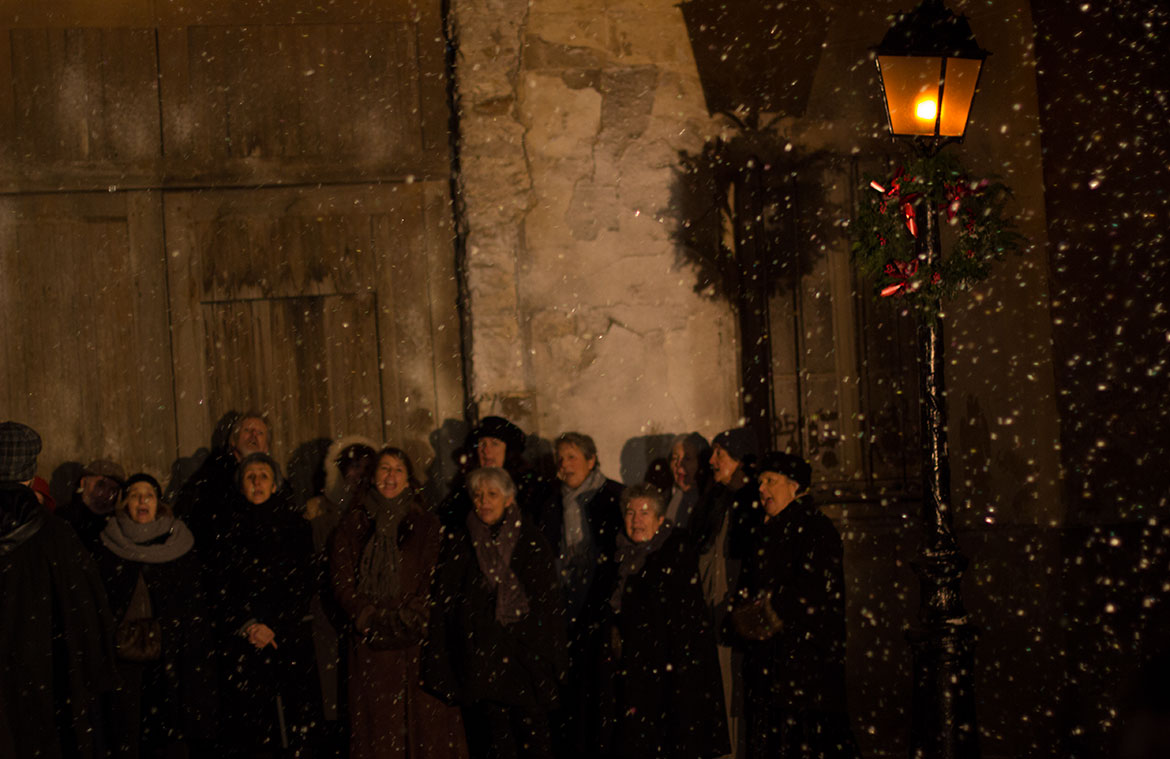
<point x="139" y="640"/>
<point x="139" y="637"/>
<point x="756" y="620"/>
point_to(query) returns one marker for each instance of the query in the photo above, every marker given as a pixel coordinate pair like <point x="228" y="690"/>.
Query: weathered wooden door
<point x="84" y="344"/>
<point x="216" y="206"/>
<point x="329" y="308"/>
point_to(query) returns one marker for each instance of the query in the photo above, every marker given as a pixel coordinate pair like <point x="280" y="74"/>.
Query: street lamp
<point x="929" y="66"/>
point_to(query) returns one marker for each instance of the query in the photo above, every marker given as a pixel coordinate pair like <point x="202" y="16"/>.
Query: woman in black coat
<point x="153" y="579"/>
<point x="269" y="573"/>
<point x="660" y="689"/>
<point x="497" y="640"/>
<point x="789" y="619"/>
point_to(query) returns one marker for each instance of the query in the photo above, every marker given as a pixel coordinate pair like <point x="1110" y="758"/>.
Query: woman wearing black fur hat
<point x="496" y="442"/>
<point x="154" y="581"/>
<point x="789" y="618"/>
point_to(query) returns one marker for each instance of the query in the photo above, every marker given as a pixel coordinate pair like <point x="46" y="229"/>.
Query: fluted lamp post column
<point x="929" y="65"/>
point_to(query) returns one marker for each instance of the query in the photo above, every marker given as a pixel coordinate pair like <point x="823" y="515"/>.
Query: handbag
<point x="139" y="640"/>
<point x="756" y="620"/>
<point x="139" y="637"/>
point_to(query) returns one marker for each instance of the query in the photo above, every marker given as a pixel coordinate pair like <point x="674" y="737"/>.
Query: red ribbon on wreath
<point x="902" y="271"/>
<point x="955" y="193"/>
<point x="905" y="203"/>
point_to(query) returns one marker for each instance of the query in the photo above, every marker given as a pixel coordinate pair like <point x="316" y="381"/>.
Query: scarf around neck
<point x="165" y="539"/>
<point x="378" y="570"/>
<point x="631" y="557"/>
<point x="577" y="539"/>
<point x="494" y="556"/>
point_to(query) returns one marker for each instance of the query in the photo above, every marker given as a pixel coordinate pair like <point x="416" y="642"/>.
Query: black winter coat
<point x="56" y="634"/>
<point x="660" y="689"/>
<point x="602" y="514"/>
<point x="797" y="560"/>
<point x="85" y="523"/>
<point x="176" y="695"/>
<point x="205" y="500"/>
<point x="268" y="573"/>
<point x="469" y="656"/>
<point x="746" y="518"/>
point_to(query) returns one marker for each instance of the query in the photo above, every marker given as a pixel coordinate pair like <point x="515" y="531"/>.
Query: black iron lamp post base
<point x="944" y="724"/>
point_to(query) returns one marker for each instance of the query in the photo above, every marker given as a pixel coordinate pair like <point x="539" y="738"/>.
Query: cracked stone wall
<point x="572" y="117"/>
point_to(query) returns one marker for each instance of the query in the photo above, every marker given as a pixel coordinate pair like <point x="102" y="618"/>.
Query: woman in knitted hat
<point x="268" y="574"/>
<point x="382" y="557"/>
<point x="789" y="617"/>
<point x="154" y="581"/>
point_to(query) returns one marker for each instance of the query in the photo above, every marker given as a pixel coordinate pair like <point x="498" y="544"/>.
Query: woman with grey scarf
<point x="382" y="557"/>
<point x="153" y="577"/>
<point x="497" y="640"/>
<point x="660" y="688"/>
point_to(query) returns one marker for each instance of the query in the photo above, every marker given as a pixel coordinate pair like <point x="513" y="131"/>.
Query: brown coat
<point x="390" y="714"/>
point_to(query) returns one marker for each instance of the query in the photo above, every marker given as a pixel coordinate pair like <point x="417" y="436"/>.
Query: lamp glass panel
<point x="911" y="85"/>
<point x="958" y="92"/>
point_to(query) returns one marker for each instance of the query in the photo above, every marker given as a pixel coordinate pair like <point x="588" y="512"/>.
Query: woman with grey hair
<point x="661" y="693"/>
<point x="268" y="573"/>
<point x="497" y="640"/>
<point x="581" y="520"/>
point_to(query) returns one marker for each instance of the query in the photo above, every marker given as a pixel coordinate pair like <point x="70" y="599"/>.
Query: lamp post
<point x="929" y="66"/>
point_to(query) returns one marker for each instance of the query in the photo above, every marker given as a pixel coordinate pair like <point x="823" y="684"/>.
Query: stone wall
<point x="571" y="118"/>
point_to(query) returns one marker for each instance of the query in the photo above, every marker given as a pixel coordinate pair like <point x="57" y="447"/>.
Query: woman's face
<point x="142" y="502"/>
<point x="490" y="501"/>
<point x="491" y="451"/>
<point x="723" y="465"/>
<point x="391" y="477"/>
<point x="259" y="482"/>
<point x="642" y="520"/>
<point x="776" y="492"/>
<point x="572" y="466"/>
<point x="684" y="465"/>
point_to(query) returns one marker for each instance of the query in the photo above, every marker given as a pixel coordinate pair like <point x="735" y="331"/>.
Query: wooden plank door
<point x="85" y="344"/>
<point x="332" y="308"/>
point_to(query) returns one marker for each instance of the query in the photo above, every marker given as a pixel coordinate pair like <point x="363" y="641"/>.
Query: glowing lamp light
<point x="926" y="109"/>
<point x="929" y="66"/>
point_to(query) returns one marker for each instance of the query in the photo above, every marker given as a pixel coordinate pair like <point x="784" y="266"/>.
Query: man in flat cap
<point x="56" y="632"/>
<point x="94" y="501"/>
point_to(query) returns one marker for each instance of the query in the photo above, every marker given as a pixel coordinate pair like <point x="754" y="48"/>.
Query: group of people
<point x="698" y="614"/>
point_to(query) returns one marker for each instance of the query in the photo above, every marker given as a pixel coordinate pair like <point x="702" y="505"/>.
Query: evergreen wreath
<point x="886" y="229"/>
